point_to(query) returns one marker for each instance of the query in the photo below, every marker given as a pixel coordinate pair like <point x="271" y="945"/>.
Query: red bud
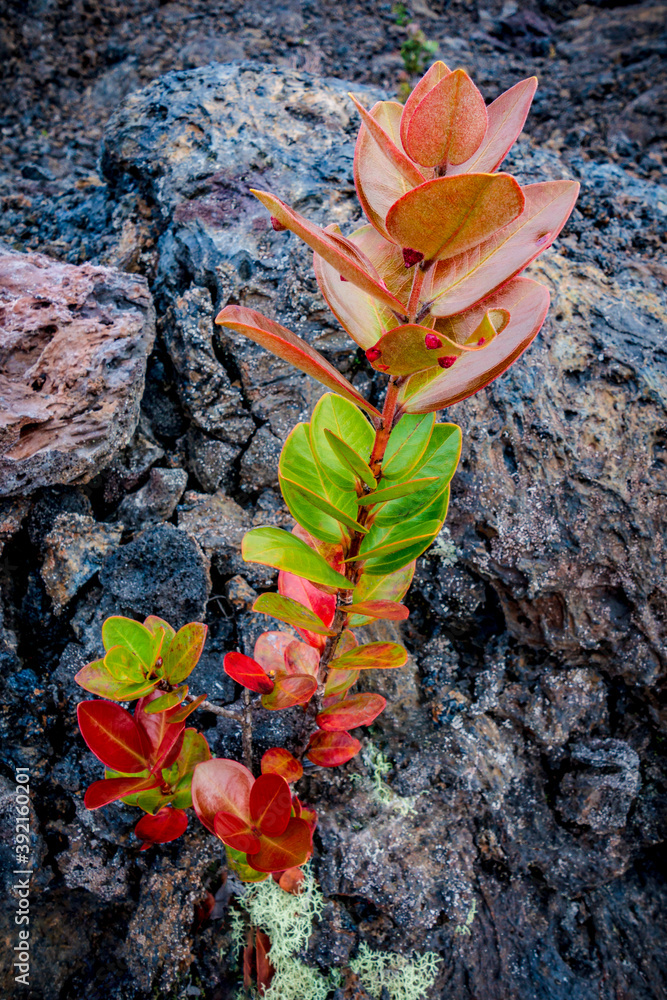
<point x="411" y="257"/>
<point x="344" y="279"/>
<point x="482" y="340"/>
<point x="373" y="354"/>
<point x="277" y="225"/>
<point x="447" y="362"/>
<point x="432" y="342"/>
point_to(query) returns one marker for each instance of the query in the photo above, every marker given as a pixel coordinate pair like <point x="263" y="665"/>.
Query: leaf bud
<point x="277" y="225"/>
<point x="448" y="361"/>
<point x="411" y="257"/>
<point x="432" y="342"/>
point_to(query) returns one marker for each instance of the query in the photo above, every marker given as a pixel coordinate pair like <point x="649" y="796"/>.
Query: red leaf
<point x="332" y="749"/>
<point x="286" y="850"/>
<point x="286" y="345"/>
<point x="186" y="710"/>
<point x="235" y="832"/>
<point x="296" y="689"/>
<point x="277" y="760"/>
<point x="166" y="825"/>
<point x="221" y="785"/>
<point x="359" y="710"/>
<point x="506" y="117"/>
<point x="270" y="650"/>
<point x="387" y="610"/>
<point x="113" y="736"/>
<point x="306" y="593"/>
<point x="163" y="736"/>
<point x="101" y="793"/>
<point x="247" y="672"/>
<point x="271" y="804"/>
<point x="265" y="970"/>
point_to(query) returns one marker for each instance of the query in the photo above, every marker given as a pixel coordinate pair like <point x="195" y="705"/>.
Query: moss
<point x="402" y="978"/>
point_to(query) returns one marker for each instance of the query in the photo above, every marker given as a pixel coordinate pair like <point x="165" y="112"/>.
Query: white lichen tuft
<point x="379" y="767"/>
<point x="402" y="978"/>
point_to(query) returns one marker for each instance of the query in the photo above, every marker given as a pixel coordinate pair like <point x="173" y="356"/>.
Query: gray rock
<point x="155" y="502"/>
<point x="259" y="465"/>
<point x="74" y="550"/>
<point x="73" y="349"/>
<point x="601" y="790"/>
<point x="211" y="462"/>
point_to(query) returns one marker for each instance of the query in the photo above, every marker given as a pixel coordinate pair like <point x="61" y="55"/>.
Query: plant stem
<point x="352" y="569"/>
<point x="208" y="706"/>
<point x="246" y="730"/>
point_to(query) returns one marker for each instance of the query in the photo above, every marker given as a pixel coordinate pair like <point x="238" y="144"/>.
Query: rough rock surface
<point x="528" y="769"/>
<point x="73" y="349"/>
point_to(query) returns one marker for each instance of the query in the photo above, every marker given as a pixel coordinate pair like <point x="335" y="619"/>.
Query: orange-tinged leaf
<point x="292" y="881"/>
<point x="169" y="700"/>
<point x="464" y="280"/>
<point x="388" y="610"/>
<point x="378" y="181"/>
<point x="113" y="736"/>
<point x="449" y="215"/>
<point x="359" y="710"/>
<point x="277" y="760"/>
<point x="361" y="315"/>
<point x="235" y="831"/>
<point x="339" y="683"/>
<point x="437" y="72"/>
<point x="182" y="714"/>
<point x="371" y="656"/>
<point x="166" y="825"/>
<point x="270" y="804"/>
<point x="96" y="679"/>
<point x="394" y="586"/>
<point x="248" y="672"/>
<point x="221" y="785"/>
<point x="270" y="650"/>
<point x="332" y="749"/>
<point x="306" y="593"/>
<point x="448" y="124"/>
<point x="285" y="850"/>
<point x="286" y="345"/>
<point x="265" y="970"/>
<point x="393" y="152"/>
<point x="527" y="302"/>
<point x="336" y="250"/>
<point x="300" y="658"/>
<point x="413" y="348"/>
<point x="289" y="690"/>
<point x="184" y="651"/>
<point x="506" y="116"/>
<point x="285" y="609"/>
<point x="101" y="793"/>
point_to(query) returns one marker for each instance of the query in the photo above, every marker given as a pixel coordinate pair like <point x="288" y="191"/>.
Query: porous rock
<point x="75" y="549"/>
<point x="73" y="349"/>
<point x="155" y="502"/>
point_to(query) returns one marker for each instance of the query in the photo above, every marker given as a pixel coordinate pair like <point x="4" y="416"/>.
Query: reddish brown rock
<point x="73" y="349"/>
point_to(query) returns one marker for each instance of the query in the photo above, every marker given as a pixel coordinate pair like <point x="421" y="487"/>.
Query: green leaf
<point x="342" y="418"/>
<point x="399" y="490"/>
<point x="406" y="446"/>
<point x="390" y="548"/>
<point x="439" y="460"/>
<point x="157" y="625"/>
<point x="313" y="500"/>
<point x="184" y="652"/>
<point x="285" y="609"/>
<point x="124" y="665"/>
<point x="237" y="861"/>
<point x="371" y="656"/>
<point x="187" y="710"/>
<point x="351" y="459"/>
<point x="166" y="701"/>
<point x="392" y="587"/>
<point x="282" y="550"/>
<point x="133" y="636"/>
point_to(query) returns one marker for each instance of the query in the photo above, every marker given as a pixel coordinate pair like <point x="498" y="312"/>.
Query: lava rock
<point x="213" y="463"/>
<point x="74" y="343"/>
<point x="601" y="789"/>
<point x="74" y="550"/>
<point x="155" y="502"/>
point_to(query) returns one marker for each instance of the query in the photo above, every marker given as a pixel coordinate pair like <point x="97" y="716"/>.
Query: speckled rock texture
<point x="528" y="766"/>
<point x="73" y="348"/>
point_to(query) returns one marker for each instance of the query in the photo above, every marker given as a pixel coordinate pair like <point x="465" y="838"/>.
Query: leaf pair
<point x="251" y="816"/>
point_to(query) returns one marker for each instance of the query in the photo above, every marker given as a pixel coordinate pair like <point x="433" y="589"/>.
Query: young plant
<point x="429" y="290"/>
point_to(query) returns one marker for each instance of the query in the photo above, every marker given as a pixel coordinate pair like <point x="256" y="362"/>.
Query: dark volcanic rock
<point x="73" y="349"/>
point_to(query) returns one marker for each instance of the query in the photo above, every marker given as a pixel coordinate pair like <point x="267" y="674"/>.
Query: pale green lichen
<point x="379" y="767"/>
<point x="401" y="977"/>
